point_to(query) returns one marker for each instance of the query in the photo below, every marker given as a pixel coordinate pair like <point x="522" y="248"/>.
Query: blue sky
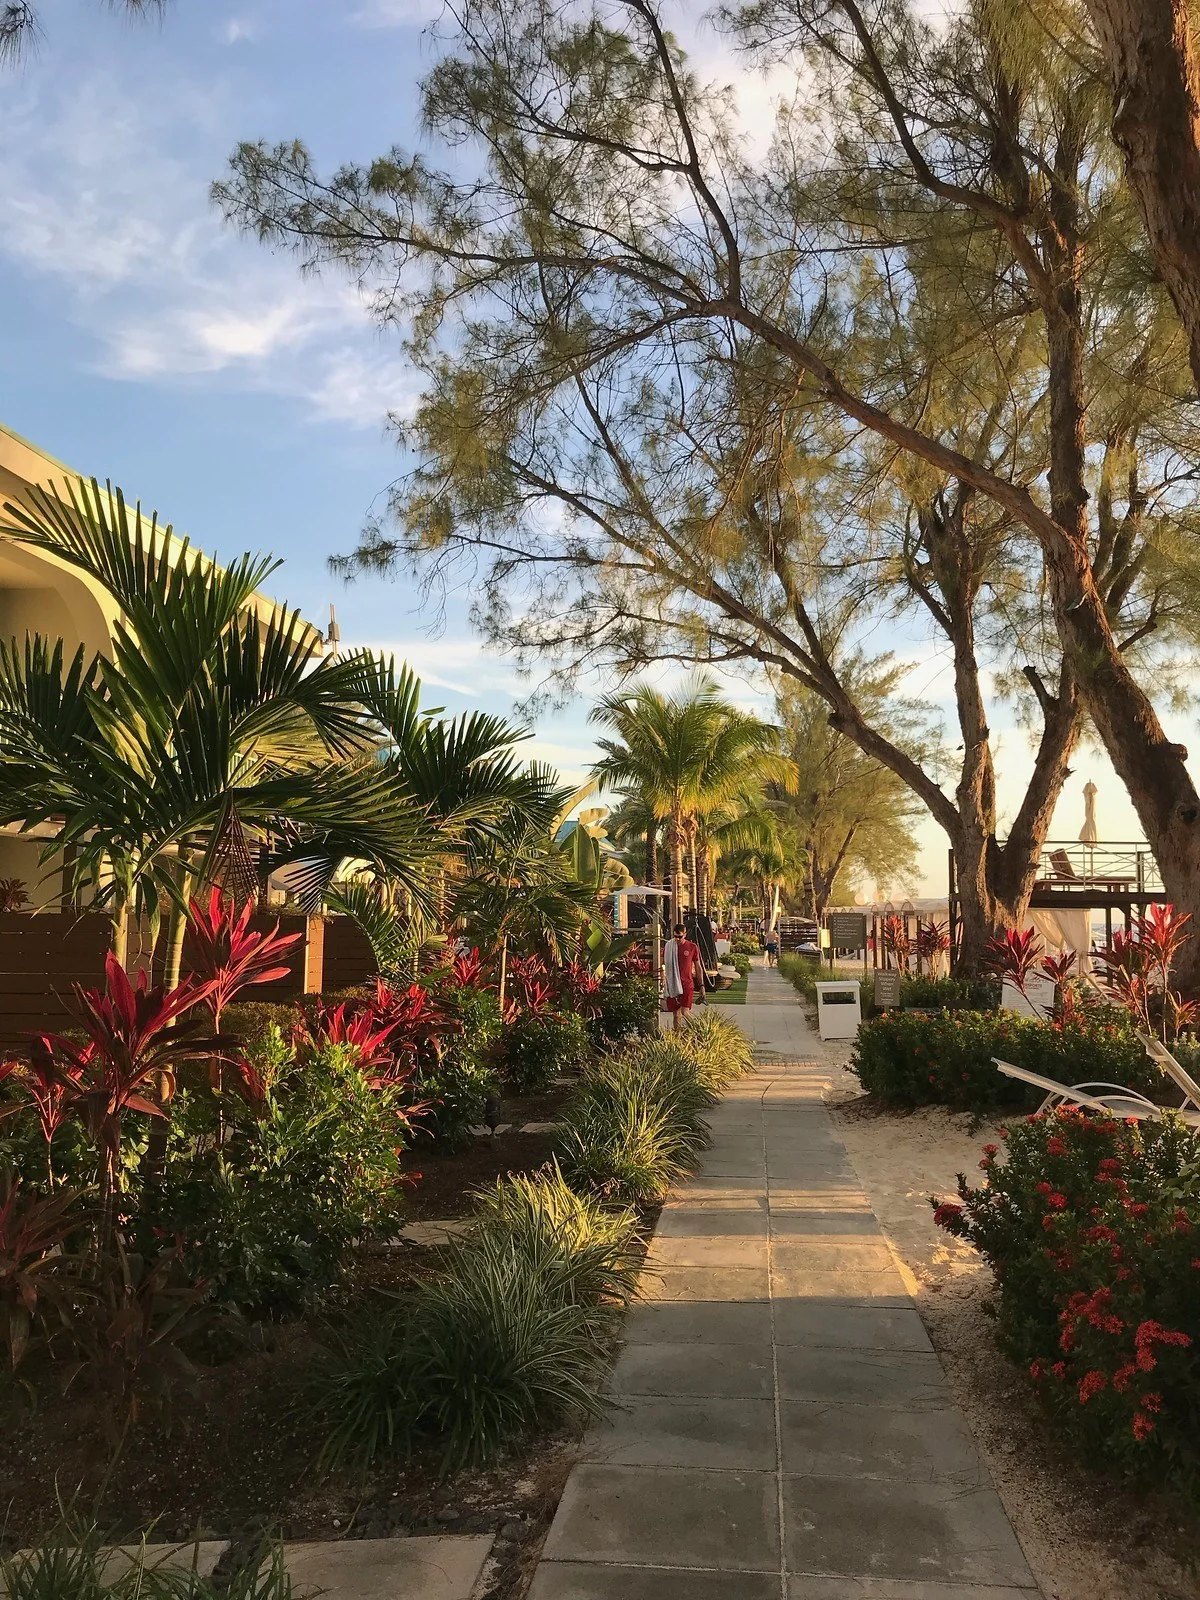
<point x="145" y="342"/>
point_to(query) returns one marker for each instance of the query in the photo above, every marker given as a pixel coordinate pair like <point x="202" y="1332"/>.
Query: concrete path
<point x="785" y="1431"/>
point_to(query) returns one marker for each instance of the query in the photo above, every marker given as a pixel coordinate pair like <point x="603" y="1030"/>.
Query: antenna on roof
<point x="334" y="637"/>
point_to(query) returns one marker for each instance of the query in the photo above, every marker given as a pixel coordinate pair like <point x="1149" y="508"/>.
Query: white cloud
<point x="108" y="195"/>
<point x="238" y="30"/>
<point x="459" y="663"/>
<point x="396" y="13"/>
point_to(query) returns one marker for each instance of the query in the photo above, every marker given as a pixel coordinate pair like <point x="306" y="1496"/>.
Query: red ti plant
<point x="1060" y="970"/>
<point x="135" y="1039"/>
<point x="580" y="988"/>
<point x="49" y="1087"/>
<point x="1017" y="955"/>
<point x="228" y="955"/>
<point x="897" y="941"/>
<point x="933" y="940"/>
<point x="360" y="1028"/>
<point x="466" y="970"/>
<point x="225" y="952"/>
<point x="531" y="992"/>
<point x="418" y="1024"/>
<point x="32" y="1229"/>
<point x="1137" y="971"/>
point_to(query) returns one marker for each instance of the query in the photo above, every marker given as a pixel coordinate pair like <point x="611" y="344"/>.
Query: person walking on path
<point x="683" y="974"/>
<point x="772" y="947"/>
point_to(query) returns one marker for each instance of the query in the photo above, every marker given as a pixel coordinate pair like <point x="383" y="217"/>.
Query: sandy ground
<point x="1085" y="1537"/>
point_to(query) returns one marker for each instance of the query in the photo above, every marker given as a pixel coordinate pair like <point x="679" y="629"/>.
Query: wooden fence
<point x="43" y="957"/>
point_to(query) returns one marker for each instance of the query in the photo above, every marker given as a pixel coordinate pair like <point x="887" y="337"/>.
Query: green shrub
<point x="745" y="944"/>
<point x="741" y="962"/>
<point x="455" y="1089"/>
<point x="267" y="1216"/>
<point x="805" y="972"/>
<point x="951" y="994"/>
<point x="505" y="1339"/>
<point x="628" y="1010"/>
<point x="720" y="1049"/>
<point x="1090" y="1226"/>
<point x="636" y="1125"/>
<point x="908" y="1059"/>
<point x="537" y="1049"/>
<point x="533" y="1210"/>
<point x="629" y="1152"/>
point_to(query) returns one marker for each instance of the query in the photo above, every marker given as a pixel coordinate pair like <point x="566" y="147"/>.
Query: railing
<point x="1117" y="868"/>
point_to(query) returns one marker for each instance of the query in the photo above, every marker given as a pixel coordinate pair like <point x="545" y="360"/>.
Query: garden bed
<point x="1085" y="1533"/>
<point x="450" y="1177"/>
<point x="235" y="1461"/>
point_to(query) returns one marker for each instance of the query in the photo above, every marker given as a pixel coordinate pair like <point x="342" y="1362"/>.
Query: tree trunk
<point x="652" y="852"/>
<point x="700" y="856"/>
<point x="693" y="878"/>
<point x="824" y="878"/>
<point x="676" y="848"/>
<point x="1154" y="66"/>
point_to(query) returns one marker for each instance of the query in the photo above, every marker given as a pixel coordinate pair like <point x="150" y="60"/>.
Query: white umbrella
<point x="1089" y="833"/>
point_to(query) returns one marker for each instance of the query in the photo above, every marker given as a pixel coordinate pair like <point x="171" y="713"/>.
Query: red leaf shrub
<point x="229" y="955"/>
<point x="1092" y="1228"/>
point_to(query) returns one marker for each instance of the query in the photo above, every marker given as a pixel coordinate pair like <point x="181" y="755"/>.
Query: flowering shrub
<point x="1092" y="1227"/>
<point x="909" y="1059"/>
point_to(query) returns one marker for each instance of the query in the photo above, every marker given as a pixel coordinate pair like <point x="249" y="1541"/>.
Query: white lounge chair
<point x="1116" y="1100"/>
<point x="1180" y="1076"/>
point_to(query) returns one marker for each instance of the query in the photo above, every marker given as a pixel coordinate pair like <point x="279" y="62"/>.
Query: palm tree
<point x="633" y="823"/>
<point x="521" y="888"/>
<point x="209" y="735"/>
<point x="684" y="758"/>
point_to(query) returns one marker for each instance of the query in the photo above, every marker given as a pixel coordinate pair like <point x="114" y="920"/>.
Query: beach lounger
<point x="1114" y="1100"/>
<point x="1162" y="1057"/>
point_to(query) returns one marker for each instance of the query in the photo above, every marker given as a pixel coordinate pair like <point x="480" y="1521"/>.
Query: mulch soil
<point x="232" y="1455"/>
<point x="448" y="1179"/>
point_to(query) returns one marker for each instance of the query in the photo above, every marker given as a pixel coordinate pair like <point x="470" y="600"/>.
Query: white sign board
<point x="1037" y="1001"/>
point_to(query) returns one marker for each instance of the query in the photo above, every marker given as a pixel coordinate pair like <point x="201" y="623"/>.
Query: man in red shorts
<point x="683" y="974"/>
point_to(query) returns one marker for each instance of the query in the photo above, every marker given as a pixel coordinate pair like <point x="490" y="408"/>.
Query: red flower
<point x="1091" y="1383"/>
<point x="1045" y="1188"/>
<point x="947" y="1212"/>
<point x="1036" y="1369"/>
<point x="1058" y="1201"/>
<point x="1123" y="1377"/>
<point x="1056" y="1146"/>
<point x="1143" y="1427"/>
<point x="1152" y="1401"/>
<point x="1059" y="1369"/>
<point x="991" y="1149"/>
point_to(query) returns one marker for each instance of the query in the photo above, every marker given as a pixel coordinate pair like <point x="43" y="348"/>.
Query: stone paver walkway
<point x="785" y="1430"/>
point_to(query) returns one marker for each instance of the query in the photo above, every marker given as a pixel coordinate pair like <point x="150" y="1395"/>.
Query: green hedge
<point x="537" y="1049"/>
<point x="628" y="1009"/>
<point x="951" y="994"/>
<point x="1090" y="1226"/>
<point x="909" y="1059"/>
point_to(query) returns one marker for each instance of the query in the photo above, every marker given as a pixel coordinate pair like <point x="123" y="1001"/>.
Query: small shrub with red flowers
<point x="914" y="1059"/>
<point x="1092" y="1228"/>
